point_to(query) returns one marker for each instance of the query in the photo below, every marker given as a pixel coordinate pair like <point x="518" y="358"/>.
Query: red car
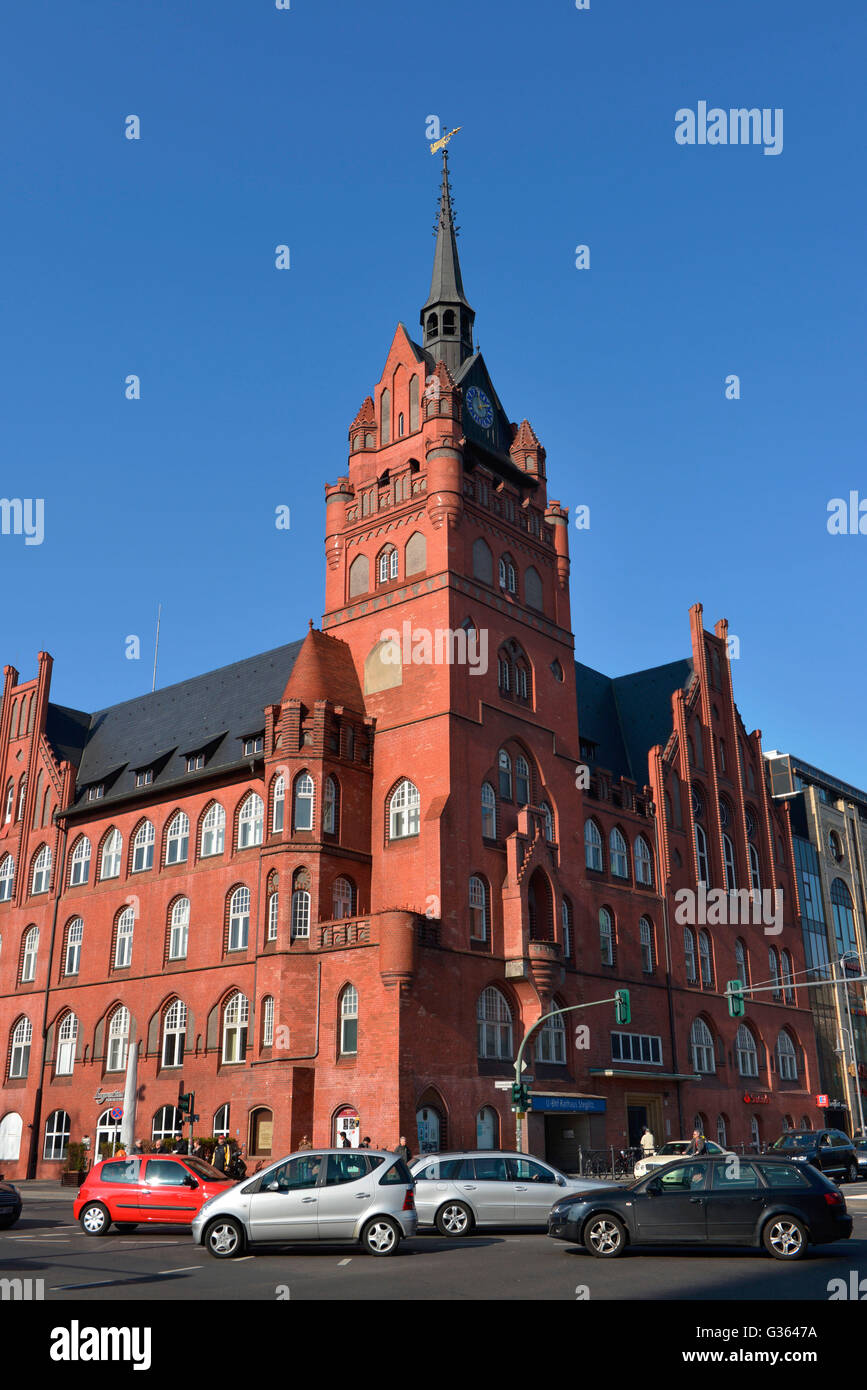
<point x="155" y="1188"/>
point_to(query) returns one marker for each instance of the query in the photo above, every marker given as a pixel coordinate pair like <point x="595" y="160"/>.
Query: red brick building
<point x="329" y="888"/>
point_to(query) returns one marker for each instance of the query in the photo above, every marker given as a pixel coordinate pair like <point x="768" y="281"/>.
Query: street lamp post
<point x="856" y="1079"/>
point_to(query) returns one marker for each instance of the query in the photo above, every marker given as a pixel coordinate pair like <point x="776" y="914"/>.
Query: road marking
<point x="41" y="1240"/>
<point x="97" y="1284"/>
<point x="242" y="1259"/>
<point x="184" y="1269"/>
<point x="340" y="1263"/>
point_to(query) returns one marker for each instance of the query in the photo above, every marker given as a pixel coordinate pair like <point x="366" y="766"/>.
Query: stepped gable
<point x="366" y="413"/>
<point x="324" y="670"/>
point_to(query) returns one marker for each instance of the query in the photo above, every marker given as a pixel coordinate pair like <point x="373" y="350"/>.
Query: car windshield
<point x="674" y="1146"/>
<point x="204" y="1170"/>
<point x="794" y="1141"/>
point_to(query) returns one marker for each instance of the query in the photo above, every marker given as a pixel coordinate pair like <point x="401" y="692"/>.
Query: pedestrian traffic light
<point x="517" y="1089"/>
<point x="185" y="1102"/>
<point x="622" y="1010"/>
<point x="735" y="996"/>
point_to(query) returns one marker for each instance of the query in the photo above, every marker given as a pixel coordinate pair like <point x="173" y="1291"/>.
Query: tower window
<point x="432" y="325"/>
<point x="449" y="322"/>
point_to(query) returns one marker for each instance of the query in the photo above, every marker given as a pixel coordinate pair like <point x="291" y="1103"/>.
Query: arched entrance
<point x="107" y="1132"/>
<point x="347" y="1126"/>
<point x="261" y="1133"/>
<point x="11" y="1127"/>
<point x="427" y="1121"/>
<point x="487" y="1128"/>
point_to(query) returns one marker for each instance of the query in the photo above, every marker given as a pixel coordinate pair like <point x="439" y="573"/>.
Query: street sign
<point x="503" y="1085"/>
<point x="822" y="1102"/>
<point x="116" y="1112"/>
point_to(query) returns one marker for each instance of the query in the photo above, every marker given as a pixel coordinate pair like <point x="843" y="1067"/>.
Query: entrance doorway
<point x="108" y="1133"/>
<point x="11" y="1127"/>
<point x="428" y="1125"/>
<point x="347" y="1126"/>
<point x="643" y="1110"/>
<point x="487" y="1128"/>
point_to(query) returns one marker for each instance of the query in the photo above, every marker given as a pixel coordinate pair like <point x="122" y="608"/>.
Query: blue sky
<point x="307" y="127"/>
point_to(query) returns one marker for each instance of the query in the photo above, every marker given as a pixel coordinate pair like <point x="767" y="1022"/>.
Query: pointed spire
<point x="447" y="318"/>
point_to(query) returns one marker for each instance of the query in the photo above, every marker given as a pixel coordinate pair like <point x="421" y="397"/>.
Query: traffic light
<point x="520" y="1097"/>
<point x="622" y="1010"/>
<point x="185" y="1102"/>
<point x="735" y="996"/>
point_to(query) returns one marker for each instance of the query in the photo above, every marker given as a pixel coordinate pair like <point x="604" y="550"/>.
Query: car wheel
<point x="852" y="1174"/>
<point x="381" y="1236"/>
<point x="605" y="1236"/>
<point x="454" y="1219"/>
<point x="224" y="1238"/>
<point x="8" y="1221"/>
<point x="126" y="1225"/>
<point x="785" y="1237"/>
<point x="95" y="1219"/>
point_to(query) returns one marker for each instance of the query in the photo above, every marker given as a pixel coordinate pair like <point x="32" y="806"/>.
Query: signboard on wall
<point x="572" y="1105"/>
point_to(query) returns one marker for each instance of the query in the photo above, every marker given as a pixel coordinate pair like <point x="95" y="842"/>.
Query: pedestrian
<point x="220" y="1154"/>
<point x="346" y="1141"/>
<point x="365" y="1143"/>
<point x="699" y="1143"/>
<point x="137" y="1148"/>
<point x="648" y="1143"/>
<point x="403" y="1149"/>
<point x="182" y="1146"/>
<point x="305" y="1143"/>
<point x="236" y="1167"/>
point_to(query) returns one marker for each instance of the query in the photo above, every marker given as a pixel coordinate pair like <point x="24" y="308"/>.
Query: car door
<point x="169" y="1192"/>
<point x="536" y="1190"/>
<point x="672" y="1205"/>
<point x="492" y="1190"/>
<point x="124" y="1190"/>
<point x="345" y="1194"/>
<point x="735" y="1199"/>
<point x="825" y="1159"/>
<point x="285" y="1207"/>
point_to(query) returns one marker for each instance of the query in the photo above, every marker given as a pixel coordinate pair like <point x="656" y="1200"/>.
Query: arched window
<point x="844" y="919"/>
<point x="342" y="897"/>
<point x="19" y="1058"/>
<point x="721" y="1132"/>
<point x="522" y="781"/>
<point x="489" y="812"/>
<point x="415" y="551"/>
<point x="349" y="1021"/>
<point x="741" y="961"/>
<point x="619" y="854"/>
<point x="166" y="1123"/>
<point x="79" y="862"/>
<point x="251" y="822"/>
<point x="689" y="956"/>
<point x="268" y="1021"/>
<point x="9" y="801"/>
<point x="566" y="921"/>
<point x="404" y="811"/>
<point x="123" y="939"/>
<point x="385" y="417"/>
<point x="701" y="854"/>
<point x="701" y="1046"/>
<point x="387" y="565"/>
<point x="755" y="876"/>
<point x="112" y="853"/>
<point x="72" y="955"/>
<point x="236" y="1020"/>
<point x="178" y="839"/>
<point x="67" y="1039"/>
<point x="279" y="801"/>
<point x="593" y="846"/>
<point x="483" y="562"/>
<point x="239" y="919"/>
<point x="359" y="576"/>
<point x="174" y="1034"/>
<point x="606" y="936"/>
<point x="729" y="860"/>
<point x="214" y="831"/>
<point x="706" y="960"/>
<point x="774" y="964"/>
<point x="533" y="589"/>
<point x="330" y="806"/>
<point x="221" y="1120"/>
<point x="548" y="818"/>
<point x="179" y="930"/>
<point x="432" y="325"/>
<point x="143" y="848"/>
<point x="273" y="916"/>
<point x="788" y="977"/>
<point x="300" y="904"/>
<point x="507" y="574"/>
<point x="746" y="1051"/>
<point x="504" y="774"/>
<point x="41" y="871"/>
<point x="643" y="862"/>
<point x="57" y="1128"/>
<point x="494" y="1020"/>
<point x="648" y="954"/>
<point x="677" y="820"/>
<point x="7" y="878"/>
<point x="449" y="321"/>
<point x="787" y="1060"/>
<point x="551" y="1041"/>
<point x="29" y="953"/>
<point x="540" y="907"/>
<point x="302" y="816"/>
<point x="118" y="1040"/>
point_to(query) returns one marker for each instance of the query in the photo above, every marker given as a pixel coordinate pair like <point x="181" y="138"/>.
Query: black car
<point x="10" y="1205"/>
<point x="829" y="1150"/>
<point x="725" y="1200"/>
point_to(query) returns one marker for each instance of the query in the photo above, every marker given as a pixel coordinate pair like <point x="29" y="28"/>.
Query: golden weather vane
<point x="441" y="144"/>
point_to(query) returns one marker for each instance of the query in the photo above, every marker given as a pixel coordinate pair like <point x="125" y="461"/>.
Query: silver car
<point x="360" y="1195"/>
<point x="485" y="1187"/>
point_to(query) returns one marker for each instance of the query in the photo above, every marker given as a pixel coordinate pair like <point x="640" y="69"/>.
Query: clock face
<point x="480" y="407"/>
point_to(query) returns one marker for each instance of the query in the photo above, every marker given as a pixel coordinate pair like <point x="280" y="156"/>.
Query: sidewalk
<point x="43" y="1190"/>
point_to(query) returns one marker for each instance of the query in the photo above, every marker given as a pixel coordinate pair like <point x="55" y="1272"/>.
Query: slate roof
<point x="214" y="711"/>
<point x="627" y="715"/>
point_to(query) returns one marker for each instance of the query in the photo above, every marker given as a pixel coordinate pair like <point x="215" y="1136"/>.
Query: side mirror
<point x="561" y="1182"/>
<point x="189" y="1181"/>
<point x="654" y="1188"/>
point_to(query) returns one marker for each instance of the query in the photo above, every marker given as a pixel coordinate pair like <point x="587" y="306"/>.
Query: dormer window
<point x="254" y="745"/>
<point x="96" y="792"/>
<point x="144" y="777"/>
<point x="195" y="761"/>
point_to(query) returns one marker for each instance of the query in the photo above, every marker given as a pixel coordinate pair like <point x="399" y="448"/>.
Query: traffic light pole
<point x="555" y="1013"/>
